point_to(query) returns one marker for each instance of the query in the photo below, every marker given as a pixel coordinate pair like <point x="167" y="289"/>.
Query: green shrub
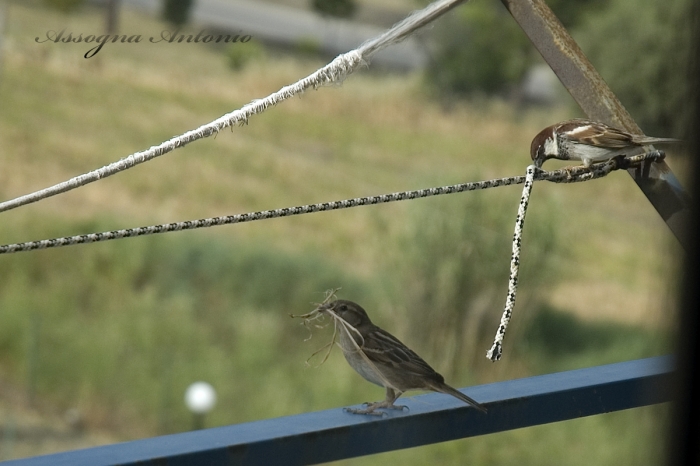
<point x="66" y="6"/>
<point x="337" y="8"/>
<point x="479" y="49"/>
<point x="307" y="46"/>
<point x="643" y="54"/>
<point x="456" y="256"/>
<point x="123" y="327"/>
<point x="239" y="55"/>
<point x="554" y="340"/>
<point x="177" y="12"/>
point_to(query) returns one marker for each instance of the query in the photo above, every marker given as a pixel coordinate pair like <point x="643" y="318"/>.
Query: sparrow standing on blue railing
<point x="382" y="359"/>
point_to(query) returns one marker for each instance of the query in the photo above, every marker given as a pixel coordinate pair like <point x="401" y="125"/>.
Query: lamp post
<point x="200" y="398"/>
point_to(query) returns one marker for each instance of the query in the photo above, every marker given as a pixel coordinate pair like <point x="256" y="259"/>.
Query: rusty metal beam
<point x="595" y="98"/>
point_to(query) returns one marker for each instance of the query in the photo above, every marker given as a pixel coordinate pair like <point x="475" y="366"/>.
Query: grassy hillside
<point x="118" y="330"/>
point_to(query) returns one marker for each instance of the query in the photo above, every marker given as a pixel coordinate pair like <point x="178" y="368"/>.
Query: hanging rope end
<point x="494" y="354"/>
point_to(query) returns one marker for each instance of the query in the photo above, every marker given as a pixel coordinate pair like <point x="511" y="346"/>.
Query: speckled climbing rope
<point x="570" y="175"/>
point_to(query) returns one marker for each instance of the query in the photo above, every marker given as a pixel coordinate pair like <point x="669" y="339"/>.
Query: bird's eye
<point x="343" y="308"/>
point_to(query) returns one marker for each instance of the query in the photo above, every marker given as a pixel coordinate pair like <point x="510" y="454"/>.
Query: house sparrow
<point x="587" y="141"/>
<point x="382" y="359"/>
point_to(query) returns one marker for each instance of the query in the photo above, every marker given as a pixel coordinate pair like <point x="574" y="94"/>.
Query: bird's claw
<point x="622" y="162"/>
<point x="399" y="407"/>
<point x="368" y="411"/>
<point x="372" y="408"/>
<point x="569" y="175"/>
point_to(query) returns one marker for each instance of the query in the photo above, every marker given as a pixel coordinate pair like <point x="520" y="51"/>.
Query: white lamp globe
<point x="200" y="397"/>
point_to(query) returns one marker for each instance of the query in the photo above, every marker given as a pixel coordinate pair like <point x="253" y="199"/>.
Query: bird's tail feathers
<point x="645" y="140"/>
<point x="444" y="388"/>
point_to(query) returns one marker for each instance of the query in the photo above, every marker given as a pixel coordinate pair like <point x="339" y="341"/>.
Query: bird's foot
<point x="368" y="411"/>
<point x="386" y="405"/>
<point x="622" y="162"/>
<point x="372" y="407"/>
<point x="568" y="170"/>
<point x="660" y="156"/>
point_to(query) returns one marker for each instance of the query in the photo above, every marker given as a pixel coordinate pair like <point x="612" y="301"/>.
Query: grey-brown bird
<point x="382" y="359"/>
<point x="588" y="141"/>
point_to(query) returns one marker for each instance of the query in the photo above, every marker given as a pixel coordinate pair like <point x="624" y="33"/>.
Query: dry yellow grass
<point x="63" y="115"/>
<point x="66" y="115"/>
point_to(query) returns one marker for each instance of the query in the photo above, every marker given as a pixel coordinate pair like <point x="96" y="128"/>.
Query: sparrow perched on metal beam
<point x="587" y="141"/>
<point x="382" y="359"/>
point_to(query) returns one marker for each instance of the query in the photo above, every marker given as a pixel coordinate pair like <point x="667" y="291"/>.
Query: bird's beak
<point x="538" y="162"/>
<point x="325" y="307"/>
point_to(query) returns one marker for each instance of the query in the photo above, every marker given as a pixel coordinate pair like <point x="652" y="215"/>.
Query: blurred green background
<point x="99" y="342"/>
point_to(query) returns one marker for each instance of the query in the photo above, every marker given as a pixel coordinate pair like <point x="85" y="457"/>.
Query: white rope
<point x="494" y="354"/>
<point x="336" y="71"/>
<point x="574" y="174"/>
<point x="407" y="26"/>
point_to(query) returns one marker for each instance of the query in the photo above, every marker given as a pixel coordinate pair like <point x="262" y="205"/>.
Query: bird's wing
<point x="598" y="134"/>
<point x="384" y="348"/>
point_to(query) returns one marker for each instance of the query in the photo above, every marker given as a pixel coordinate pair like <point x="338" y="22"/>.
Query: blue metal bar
<point x="334" y="434"/>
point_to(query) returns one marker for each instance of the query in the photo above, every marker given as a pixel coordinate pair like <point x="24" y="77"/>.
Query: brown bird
<point x="382" y="359"/>
<point x="587" y="141"/>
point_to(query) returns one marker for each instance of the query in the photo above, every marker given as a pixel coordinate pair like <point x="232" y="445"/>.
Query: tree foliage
<point x="177" y="12"/>
<point x="337" y="8"/>
<point x="570" y="13"/>
<point x="480" y="49"/>
<point x="66" y="6"/>
<point x="642" y="52"/>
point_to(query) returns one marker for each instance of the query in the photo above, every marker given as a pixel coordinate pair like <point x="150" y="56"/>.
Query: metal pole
<point x="595" y="98"/>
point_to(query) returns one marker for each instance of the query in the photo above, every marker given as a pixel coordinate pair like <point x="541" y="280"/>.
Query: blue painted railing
<point x="334" y="434"/>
